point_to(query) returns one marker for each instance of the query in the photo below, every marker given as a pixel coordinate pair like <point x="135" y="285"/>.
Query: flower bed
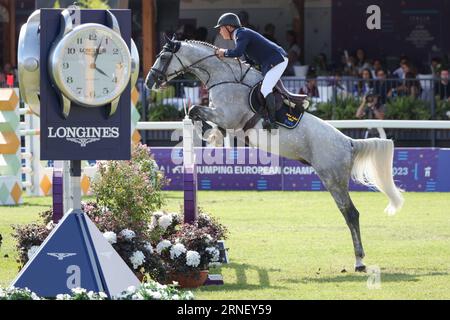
<point x="154" y="244"/>
<point x="147" y="291"/>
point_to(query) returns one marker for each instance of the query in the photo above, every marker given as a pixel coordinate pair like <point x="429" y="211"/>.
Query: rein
<point x="162" y="76"/>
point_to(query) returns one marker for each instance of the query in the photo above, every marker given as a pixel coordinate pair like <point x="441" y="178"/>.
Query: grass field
<point x="295" y="245"/>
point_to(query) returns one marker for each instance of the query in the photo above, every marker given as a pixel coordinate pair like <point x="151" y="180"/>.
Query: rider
<point x="272" y="58"/>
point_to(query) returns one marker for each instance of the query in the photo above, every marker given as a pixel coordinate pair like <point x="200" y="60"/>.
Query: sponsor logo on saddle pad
<point x="83" y="135"/>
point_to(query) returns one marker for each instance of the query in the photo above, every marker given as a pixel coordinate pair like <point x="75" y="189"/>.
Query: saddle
<point x="290" y="106"/>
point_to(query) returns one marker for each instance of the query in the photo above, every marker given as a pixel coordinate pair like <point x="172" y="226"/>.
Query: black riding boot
<point x="271" y="106"/>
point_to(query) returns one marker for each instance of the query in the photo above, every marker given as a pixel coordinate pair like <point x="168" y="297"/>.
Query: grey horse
<point x="335" y="157"/>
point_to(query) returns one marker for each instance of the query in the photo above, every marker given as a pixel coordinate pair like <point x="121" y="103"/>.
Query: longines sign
<point x="83" y="135"/>
<point x="87" y="132"/>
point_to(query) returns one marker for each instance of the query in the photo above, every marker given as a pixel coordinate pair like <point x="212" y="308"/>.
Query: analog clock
<point x="90" y="65"/>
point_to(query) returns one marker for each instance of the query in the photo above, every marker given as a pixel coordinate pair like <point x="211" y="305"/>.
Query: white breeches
<point x="272" y="77"/>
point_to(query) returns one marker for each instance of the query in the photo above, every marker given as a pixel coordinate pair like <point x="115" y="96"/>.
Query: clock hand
<point x="97" y="52"/>
<point x="102" y="72"/>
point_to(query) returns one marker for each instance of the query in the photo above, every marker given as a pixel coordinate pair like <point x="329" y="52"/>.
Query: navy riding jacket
<point x="259" y="49"/>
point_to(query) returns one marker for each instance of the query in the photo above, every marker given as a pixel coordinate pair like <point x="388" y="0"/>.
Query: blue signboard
<point x="84" y="132"/>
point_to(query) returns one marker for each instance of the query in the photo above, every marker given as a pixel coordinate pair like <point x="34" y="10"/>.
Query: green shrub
<point x="407" y="108"/>
<point x="341" y="109"/>
<point x="164" y="112"/>
<point x="442" y="108"/>
<point x="130" y="189"/>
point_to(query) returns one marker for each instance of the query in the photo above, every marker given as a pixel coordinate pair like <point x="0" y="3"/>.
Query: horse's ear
<point x="174" y="37"/>
<point x="166" y="37"/>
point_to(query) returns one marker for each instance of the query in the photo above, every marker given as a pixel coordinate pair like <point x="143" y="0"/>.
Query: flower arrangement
<point x="147" y="291"/>
<point x="164" y="247"/>
<point x="153" y="243"/>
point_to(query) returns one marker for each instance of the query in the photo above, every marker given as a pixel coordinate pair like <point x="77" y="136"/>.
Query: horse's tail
<point x="373" y="167"/>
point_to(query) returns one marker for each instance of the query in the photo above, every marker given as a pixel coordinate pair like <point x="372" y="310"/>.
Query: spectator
<point x="341" y="86"/>
<point x="350" y="68"/>
<point x="376" y="65"/>
<point x="186" y="32"/>
<point x="320" y="64"/>
<point x="365" y="85"/>
<point x="383" y="87"/>
<point x="442" y="89"/>
<point x="201" y="34"/>
<point x="435" y="66"/>
<point x="269" y="32"/>
<point x="361" y="62"/>
<point x="310" y="88"/>
<point x="371" y="108"/>
<point x="292" y="62"/>
<point x="292" y="44"/>
<point x="408" y="87"/>
<point x="245" y="20"/>
<point x="399" y="73"/>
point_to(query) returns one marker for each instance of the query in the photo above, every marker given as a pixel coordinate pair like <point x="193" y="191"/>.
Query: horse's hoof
<point x="360" y="269"/>
<point x="194" y="113"/>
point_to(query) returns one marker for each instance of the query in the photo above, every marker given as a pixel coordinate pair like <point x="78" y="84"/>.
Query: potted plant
<point x="188" y="250"/>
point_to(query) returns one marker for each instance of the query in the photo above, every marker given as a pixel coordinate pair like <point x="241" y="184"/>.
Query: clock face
<point x="92" y="66"/>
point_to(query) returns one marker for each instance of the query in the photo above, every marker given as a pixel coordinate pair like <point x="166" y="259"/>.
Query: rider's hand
<point x="220" y="53"/>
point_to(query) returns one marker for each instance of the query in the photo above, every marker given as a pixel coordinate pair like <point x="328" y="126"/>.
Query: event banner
<point x="415" y="169"/>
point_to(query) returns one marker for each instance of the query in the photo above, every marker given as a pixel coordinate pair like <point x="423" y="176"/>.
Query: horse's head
<point x="165" y="67"/>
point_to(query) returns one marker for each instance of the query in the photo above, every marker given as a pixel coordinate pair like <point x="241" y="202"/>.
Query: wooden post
<point x="12" y="32"/>
<point x="148" y="34"/>
<point x="299" y="26"/>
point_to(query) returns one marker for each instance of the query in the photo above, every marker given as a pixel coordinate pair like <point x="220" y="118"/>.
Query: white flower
<point x="177" y="250"/>
<point x="34" y="296"/>
<point x="209" y="239"/>
<point x="63" y="297"/>
<point x="163" y="245"/>
<point x="131" y="289"/>
<point x="50" y="225"/>
<point x="32" y="251"/>
<point x="137" y="296"/>
<point x="148" y="247"/>
<point x="102" y="295"/>
<point x="127" y="234"/>
<point x="189" y="295"/>
<point x="104" y="209"/>
<point x="176" y="297"/>
<point x="165" y="221"/>
<point x="110" y="236"/>
<point x="214" y="253"/>
<point x="156" y="295"/>
<point x="137" y="259"/>
<point x="78" y="291"/>
<point x="154" y="221"/>
<point x="192" y="258"/>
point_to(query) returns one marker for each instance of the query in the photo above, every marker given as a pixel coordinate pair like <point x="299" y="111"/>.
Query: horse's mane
<point x="210" y="45"/>
<point x="236" y="63"/>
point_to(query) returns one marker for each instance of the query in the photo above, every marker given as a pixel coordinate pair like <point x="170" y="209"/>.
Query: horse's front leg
<point x="198" y="113"/>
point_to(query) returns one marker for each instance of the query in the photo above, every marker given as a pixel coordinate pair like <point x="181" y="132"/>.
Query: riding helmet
<point x="229" y="19"/>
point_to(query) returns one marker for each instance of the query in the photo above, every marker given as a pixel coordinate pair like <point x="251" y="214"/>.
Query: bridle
<point x="162" y="76"/>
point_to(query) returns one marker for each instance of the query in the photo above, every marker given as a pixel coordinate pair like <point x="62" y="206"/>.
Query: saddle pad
<point x="286" y="116"/>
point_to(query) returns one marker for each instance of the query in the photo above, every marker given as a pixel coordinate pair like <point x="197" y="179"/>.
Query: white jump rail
<point x="341" y="124"/>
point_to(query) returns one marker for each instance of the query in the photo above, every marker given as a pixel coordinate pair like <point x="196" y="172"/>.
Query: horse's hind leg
<point x="338" y="187"/>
